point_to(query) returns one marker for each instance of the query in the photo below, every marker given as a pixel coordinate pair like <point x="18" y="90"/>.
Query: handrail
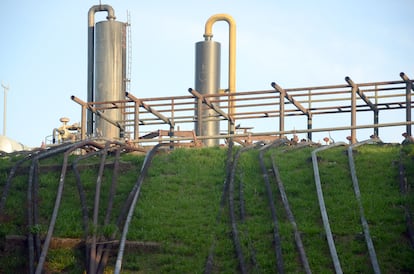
<point x="256" y="105"/>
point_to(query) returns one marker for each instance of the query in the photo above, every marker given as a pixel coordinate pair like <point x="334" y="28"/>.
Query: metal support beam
<point x="408" y="89"/>
<point x="284" y="94"/>
<point x="290" y="98"/>
<point x="136" y="120"/>
<point x="367" y="101"/>
<point x="309" y="126"/>
<point x="97" y="112"/>
<point x="149" y="109"/>
<point x="199" y="96"/>
<point x="199" y="116"/>
<point x="353" y="109"/>
<point x="83" y="123"/>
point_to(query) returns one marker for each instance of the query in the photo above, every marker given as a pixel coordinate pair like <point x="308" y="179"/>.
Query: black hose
<point x="93" y="252"/>
<point x="251" y="248"/>
<point x="29" y="208"/>
<point x="30" y="205"/>
<point x="104" y="257"/>
<point x="291" y="218"/>
<point x="7" y="186"/>
<point x="36" y="218"/>
<point x="404" y="192"/>
<point x="131" y="209"/>
<point x="276" y="235"/>
<point x="84" y="206"/>
<point x="86" y="145"/>
<point x="234" y="230"/>
<point x="208" y="268"/>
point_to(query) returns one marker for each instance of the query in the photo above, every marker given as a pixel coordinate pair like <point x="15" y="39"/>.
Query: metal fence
<point x="144" y="116"/>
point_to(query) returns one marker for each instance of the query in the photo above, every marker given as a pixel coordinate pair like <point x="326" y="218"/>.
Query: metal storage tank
<point x="110" y="73"/>
<point x="8" y="145"/>
<point x="207" y="81"/>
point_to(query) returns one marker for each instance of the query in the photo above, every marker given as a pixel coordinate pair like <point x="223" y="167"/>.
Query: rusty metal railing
<point x="252" y="106"/>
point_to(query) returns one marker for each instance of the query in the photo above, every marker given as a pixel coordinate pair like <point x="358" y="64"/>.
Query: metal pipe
<point x="284" y="94"/>
<point x="291" y="218"/>
<point x="322" y="207"/>
<point x="367" y="101"/>
<point x="409" y="87"/>
<point x="282" y="112"/>
<point x="275" y="223"/>
<point x="364" y="223"/>
<point x="209" y="104"/>
<point x="54" y="134"/>
<point x="353" y="108"/>
<point x="137" y="190"/>
<point x="91" y="54"/>
<point x="99" y="113"/>
<point x="208" y="34"/>
<point x="149" y="109"/>
<point x="6" y="88"/>
<point x="276" y="133"/>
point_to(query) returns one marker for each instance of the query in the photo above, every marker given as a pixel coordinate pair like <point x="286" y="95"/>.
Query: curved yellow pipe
<point x="208" y="34"/>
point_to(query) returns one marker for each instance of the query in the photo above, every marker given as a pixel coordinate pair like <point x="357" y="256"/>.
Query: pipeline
<point x="84" y="206"/>
<point x="276" y="235"/>
<point x="208" y="34"/>
<point x="291" y="218"/>
<point x="234" y="230"/>
<point x="85" y="218"/>
<point x="210" y="258"/>
<point x="404" y="192"/>
<point x="367" y="235"/>
<point x="136" y="192"/>
<point x="71" y="148"/>
<point x="324" y="214"/>
<point x="93" y="258"/>
<point x="103" y="256"/>
<point x="100" y="254"/>
<point x="9" y="179"/>
<point x="32" y="206"/>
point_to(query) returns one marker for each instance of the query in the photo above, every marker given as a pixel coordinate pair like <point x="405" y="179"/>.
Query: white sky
<point x="43" y="53"/>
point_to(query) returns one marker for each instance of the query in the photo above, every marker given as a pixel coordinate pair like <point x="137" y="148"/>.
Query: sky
<point x="43" y="56"/>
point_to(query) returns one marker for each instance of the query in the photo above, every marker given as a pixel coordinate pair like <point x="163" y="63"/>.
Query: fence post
<point x="408" y="88"/>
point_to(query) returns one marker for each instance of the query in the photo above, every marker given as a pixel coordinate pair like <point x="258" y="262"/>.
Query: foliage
<point x="179" y="208"/>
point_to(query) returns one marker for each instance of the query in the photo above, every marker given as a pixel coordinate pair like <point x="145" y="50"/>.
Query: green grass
<point x="179" y="208"/>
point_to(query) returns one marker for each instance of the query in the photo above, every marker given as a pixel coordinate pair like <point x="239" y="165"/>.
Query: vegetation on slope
<point x="179" y="208"/>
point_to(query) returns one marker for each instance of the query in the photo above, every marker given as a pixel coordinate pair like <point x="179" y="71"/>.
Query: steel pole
<point x="6" y="88"/>
<point x="5" y="111"/>
<point x="409" y="87"/>
<point x="353" y="108"/>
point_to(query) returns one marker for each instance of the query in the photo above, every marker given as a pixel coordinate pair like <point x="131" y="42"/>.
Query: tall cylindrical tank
<point x="207" y="81"/>
<point x="110" y="60"/>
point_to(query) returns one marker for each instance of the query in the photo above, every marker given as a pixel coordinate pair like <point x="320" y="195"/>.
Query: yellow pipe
<point x="208" y="34"/>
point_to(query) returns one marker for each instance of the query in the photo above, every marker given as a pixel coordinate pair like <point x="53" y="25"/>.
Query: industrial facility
<point x="83" y="168"/>
<point x="111" y="111"/>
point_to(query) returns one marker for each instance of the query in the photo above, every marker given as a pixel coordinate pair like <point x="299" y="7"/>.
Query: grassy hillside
<point x="183" y="212"/>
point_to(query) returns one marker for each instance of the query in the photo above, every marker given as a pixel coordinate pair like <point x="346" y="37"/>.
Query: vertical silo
<point x="106" y="71"/>
<point x="110" y="74"/>
<point x="207" y="81"/>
